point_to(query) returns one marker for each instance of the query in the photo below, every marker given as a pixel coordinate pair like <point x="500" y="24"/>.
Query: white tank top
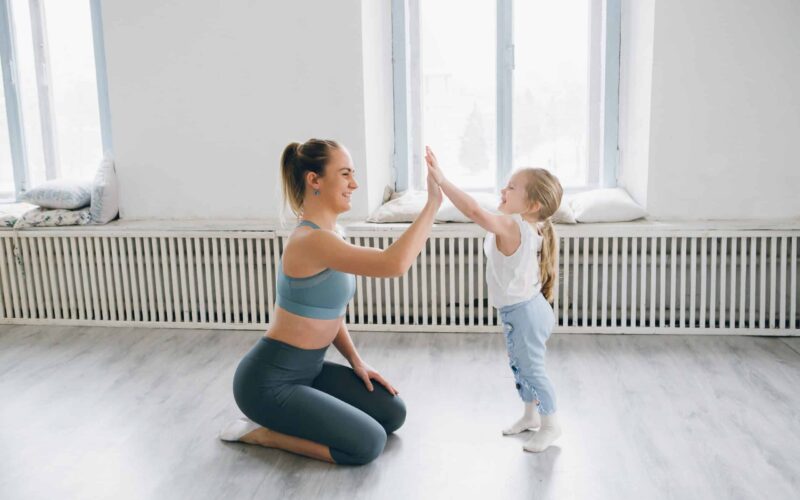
<point x="513" y="278"/>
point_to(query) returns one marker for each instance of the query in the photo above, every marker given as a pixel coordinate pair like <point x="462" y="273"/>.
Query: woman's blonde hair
<point x="296" y="160"/>
<point x="544" y="188"/>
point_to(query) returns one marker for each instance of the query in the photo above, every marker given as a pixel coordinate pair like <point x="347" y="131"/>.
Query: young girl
<point x="521" y="250"/>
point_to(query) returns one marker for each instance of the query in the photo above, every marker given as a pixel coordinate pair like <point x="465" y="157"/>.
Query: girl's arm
<point x="344" y="344"/>
<point x="502" y="226"/>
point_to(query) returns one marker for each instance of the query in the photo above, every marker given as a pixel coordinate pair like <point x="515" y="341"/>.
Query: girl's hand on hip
<point x="368" y="374"/>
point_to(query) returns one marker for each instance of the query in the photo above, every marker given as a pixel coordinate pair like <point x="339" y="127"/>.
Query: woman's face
<point x="339" y="182"/>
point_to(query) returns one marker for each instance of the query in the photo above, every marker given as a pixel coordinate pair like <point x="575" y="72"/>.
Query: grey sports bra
<point x="322" y="296"/>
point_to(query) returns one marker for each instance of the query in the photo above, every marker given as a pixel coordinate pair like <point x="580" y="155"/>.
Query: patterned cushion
<point x="11" y="212"/>
<point x="40" y="217"/>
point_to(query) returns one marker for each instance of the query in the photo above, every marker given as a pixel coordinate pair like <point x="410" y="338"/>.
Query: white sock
<point x="530" y="420"/>
<point x="545" y="436"/>
<point x="238" y="428"/>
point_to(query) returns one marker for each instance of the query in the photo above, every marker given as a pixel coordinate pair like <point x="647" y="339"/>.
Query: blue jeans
<point x="527" y="326"/>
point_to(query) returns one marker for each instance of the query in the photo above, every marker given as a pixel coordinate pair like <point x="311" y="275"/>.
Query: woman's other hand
<point x="368" y="374"/>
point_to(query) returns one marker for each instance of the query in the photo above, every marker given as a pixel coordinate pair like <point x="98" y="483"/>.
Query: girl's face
<point x="339" y="182"/>
<point x="514" y="197"/>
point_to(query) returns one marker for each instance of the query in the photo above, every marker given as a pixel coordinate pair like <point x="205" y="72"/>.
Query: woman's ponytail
<point x="291" y="184"/>
<point x="296" y="160"/>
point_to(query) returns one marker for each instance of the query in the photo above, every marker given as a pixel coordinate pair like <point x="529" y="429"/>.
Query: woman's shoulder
<point x="298" y="236"/>
<point x="307" y="242"/>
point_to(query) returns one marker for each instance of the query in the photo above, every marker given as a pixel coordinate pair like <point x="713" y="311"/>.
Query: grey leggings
<point x="295" y="391"/>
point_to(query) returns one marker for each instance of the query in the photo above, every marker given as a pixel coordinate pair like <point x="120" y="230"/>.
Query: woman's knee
<point x="367" y="446"/>
<point x="394" y="416"/>
<point x="374" y="442"/>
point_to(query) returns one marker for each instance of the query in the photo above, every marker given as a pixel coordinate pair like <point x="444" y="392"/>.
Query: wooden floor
<point x="134" y="413"/>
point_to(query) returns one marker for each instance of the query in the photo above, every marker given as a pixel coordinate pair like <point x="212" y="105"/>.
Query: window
<point x="6" y="166"/>
<point x="494" y="85"/>
<point x="55" y="112"/>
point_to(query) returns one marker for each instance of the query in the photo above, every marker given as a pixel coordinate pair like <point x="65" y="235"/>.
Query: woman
<point x="295" y="400"/>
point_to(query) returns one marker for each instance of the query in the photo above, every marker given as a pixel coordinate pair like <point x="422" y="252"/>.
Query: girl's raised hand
<point x="433" y="166"/>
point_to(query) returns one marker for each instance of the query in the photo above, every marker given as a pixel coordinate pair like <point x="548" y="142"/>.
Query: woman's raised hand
<point x="434" y="191"/>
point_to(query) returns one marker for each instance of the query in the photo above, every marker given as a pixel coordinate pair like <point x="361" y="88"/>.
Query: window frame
<point x="604" y="60"/>
<point x="12" y="95"/>
<point x="16" y="134"/>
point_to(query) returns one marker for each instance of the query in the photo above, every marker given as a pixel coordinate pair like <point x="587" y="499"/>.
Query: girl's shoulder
<point x="526" y="227"/>
<point x="530" y="231"/>
<point x="509" y="223"/>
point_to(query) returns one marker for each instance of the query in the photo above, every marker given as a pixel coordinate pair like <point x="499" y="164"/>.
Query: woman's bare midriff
<point x="305" y="333"/>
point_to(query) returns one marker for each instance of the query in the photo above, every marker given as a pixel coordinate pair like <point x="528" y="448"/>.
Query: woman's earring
<point x="316" y="192"/>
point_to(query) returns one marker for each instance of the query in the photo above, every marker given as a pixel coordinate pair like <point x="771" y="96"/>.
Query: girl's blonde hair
<point x="544" y="188"/>
<point x="296" y="160"/>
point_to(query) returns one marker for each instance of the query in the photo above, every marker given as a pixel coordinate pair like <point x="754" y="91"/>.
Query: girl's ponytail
<point x="545" y="189"/>
<point x="548" y="270"/>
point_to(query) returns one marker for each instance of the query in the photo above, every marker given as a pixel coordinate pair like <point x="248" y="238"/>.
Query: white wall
<point x="378" y="99"/>
<point x="725" y="111"/>
<point x="205" y="94"/>
<point x="636" y="75"/>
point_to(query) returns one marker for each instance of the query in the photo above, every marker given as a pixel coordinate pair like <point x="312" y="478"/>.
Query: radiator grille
<point x="679" y="282"/>
<point x="742" y="282"/>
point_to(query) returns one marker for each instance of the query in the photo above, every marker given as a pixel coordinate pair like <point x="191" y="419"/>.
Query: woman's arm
<point x="331" y="251"/>
<point x="344" y="344"/>
<point x="502" y="226"/>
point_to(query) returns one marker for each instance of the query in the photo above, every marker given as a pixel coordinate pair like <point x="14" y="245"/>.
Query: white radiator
<point x="611" y="280"/>
<point x="673" y="284"/>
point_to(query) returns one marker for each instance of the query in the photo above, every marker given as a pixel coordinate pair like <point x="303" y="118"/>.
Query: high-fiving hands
<point x="433" y="166"/>
<point x="434" y="191"/>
